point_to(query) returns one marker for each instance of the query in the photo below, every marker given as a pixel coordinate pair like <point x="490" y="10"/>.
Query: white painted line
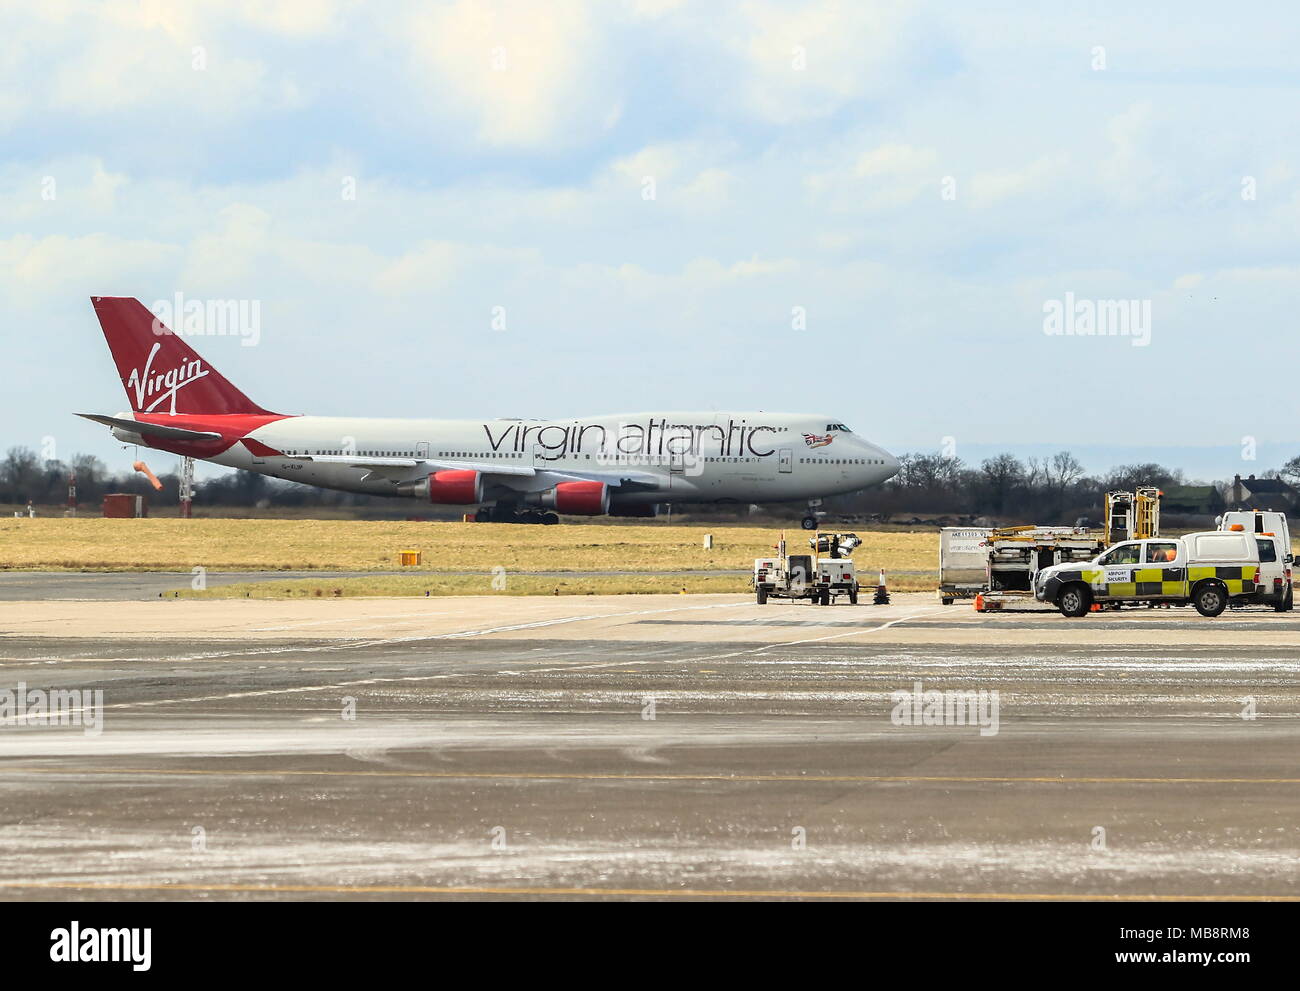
<point x="326" y="622"/>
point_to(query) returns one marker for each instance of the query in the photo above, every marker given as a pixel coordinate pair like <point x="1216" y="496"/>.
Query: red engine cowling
<point x="580" y="498"/>
<point x="458" y="487"/>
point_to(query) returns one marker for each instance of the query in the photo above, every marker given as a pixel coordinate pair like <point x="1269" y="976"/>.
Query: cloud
<point x="993" y="187"/>
<point x="134" y="56"/>
<point x="35" y="269"/>
<point x="516" y="70"/>
<point x="886" y="176"/>
<point x="524" y="188"/>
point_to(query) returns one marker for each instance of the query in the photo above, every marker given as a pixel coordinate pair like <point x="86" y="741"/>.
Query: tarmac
<point x="644" y="747"/>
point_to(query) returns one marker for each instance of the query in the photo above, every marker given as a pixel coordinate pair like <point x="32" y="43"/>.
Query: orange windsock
<point x="143" y="469"/>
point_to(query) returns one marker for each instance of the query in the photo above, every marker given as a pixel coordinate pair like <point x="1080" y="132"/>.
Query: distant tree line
<point x="1043" y="490"/>
<point x="1053" y="489"/>
<point x="24" y="478"/>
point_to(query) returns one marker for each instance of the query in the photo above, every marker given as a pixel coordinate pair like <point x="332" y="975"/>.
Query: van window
<point x="1161" y="553"/>
<point x="1122" y="554"/>
<point x="1267" y="550"/>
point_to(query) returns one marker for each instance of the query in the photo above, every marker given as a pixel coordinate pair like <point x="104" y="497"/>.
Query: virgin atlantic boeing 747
<point x="510" y="470"/>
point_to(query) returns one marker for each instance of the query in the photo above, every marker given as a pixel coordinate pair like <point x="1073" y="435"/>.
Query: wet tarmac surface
<point x="650" y="747"/>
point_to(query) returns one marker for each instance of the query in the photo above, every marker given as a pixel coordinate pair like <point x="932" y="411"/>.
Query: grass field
<point x="94" y="544"/>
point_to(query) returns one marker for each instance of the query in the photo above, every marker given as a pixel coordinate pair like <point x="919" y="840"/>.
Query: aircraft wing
<point x="405" y="466"/>
<point x="152" y="429"/>
<point x="523" y="477"/>
<point x="614" y="479"/>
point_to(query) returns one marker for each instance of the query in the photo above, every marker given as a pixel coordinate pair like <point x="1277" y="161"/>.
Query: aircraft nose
<point x="892" y="464"/>
<point x="881" y="465"/>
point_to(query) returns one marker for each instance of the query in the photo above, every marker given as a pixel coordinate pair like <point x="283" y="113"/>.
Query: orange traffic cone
<point x="882" y="593"/>
<point x="979" y="602"/>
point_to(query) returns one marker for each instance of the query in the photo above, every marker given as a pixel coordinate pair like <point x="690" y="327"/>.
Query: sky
<point x="484" y="208"/>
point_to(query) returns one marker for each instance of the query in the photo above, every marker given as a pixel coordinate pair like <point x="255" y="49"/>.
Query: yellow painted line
<point x="423" y="889"/>
<point x="559" y="776"/>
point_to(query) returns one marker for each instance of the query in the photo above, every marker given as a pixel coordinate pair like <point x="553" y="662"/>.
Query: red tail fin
<point x="160" y="372"/>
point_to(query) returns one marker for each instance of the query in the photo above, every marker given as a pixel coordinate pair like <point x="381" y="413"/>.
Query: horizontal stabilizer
<point x="152" y="429"/>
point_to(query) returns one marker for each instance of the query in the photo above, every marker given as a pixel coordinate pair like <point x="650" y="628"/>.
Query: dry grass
<point x="94" y="544"/>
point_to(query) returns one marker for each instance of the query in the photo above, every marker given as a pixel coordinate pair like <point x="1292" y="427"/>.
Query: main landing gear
<point x="809" y="522"/>
<point x="508" y="514"/>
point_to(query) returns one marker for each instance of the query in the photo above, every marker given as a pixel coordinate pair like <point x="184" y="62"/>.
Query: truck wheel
<point x="945" y="601"/>
<point x="853" y="596"/>
<point x="809" y="523"/>
<point x="761" y="595"/>
<point x="1210" y="598"/>
<point x="1288" y="603"/>
<point x="1074" y="600"/>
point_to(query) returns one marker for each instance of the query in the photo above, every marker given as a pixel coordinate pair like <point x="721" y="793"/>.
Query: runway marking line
<point x="742" y="778"/>
<point x="423" y="889"/>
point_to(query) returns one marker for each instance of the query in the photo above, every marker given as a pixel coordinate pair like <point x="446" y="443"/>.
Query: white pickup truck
<point x="1207" y="569"/>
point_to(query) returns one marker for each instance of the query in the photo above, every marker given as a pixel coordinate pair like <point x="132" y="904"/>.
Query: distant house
<point x="1191" y="500"/>
<point x="1261" y="493"/>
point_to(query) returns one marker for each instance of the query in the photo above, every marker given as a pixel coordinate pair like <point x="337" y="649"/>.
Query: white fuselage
<point x="661" y="457"/>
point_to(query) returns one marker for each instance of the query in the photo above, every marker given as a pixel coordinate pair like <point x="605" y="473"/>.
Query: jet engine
<point x="454" y="487"/>
<point x="575" y="498"/>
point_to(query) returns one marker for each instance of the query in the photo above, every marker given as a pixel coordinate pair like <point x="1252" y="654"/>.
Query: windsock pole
<point x="187" y="488"/>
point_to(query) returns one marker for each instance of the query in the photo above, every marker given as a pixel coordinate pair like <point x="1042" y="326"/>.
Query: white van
<point x="1273" y="536"/>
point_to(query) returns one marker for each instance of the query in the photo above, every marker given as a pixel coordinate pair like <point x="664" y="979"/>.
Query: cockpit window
<point x="838" y="426"/>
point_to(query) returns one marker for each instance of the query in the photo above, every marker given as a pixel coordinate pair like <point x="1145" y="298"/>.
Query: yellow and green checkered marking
<point x="1165" y="582"/>
<point x="1240" y="581"/>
